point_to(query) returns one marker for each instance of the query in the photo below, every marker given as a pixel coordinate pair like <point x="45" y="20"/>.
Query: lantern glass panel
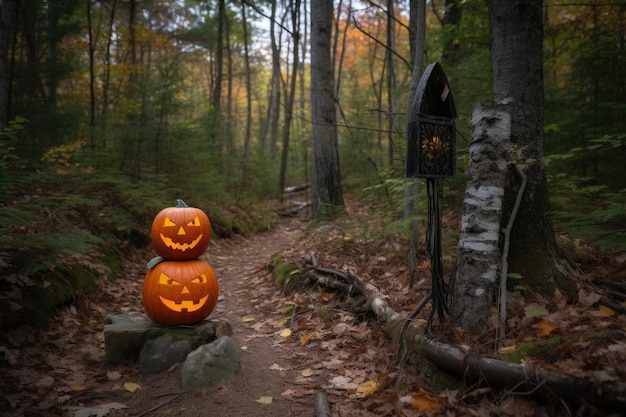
<point x="436" y="148"/>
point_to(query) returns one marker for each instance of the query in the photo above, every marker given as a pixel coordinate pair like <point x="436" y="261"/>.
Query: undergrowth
<point x="64" y="230"/>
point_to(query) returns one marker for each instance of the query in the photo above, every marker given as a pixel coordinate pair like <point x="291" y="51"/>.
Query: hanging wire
<point x="439" y="287"/>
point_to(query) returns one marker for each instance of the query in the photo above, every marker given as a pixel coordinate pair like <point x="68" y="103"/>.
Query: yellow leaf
<point x="247" y="319"/>
<point x="307" y="373"/>
<point x="606" y="310"/>
<point x="367" y="388"/>
<point x="304" y="339"/>
<point x="265" y="400"/>
<point x="507" y="349"/>
<point x="77" y="388"/>
<point x="131" y="386"/>
<point x="545" y="327"/>
<point x="286" y="333"/>
<point x="424" y="402"/>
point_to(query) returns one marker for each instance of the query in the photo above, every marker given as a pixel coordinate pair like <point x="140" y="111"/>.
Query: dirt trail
<point x="252" y="306"/>
<point x="61" y="369"/>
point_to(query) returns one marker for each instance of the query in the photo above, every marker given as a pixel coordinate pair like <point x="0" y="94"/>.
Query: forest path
<point x="254" y="308"/>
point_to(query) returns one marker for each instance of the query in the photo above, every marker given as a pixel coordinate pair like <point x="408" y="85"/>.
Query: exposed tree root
<point x="583" y="387"/>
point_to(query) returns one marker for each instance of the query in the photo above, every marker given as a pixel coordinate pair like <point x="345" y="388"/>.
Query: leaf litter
<point x="343" y="354"/>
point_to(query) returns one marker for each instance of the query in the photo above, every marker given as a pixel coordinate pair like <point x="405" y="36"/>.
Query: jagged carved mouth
<point x="185" y="305"/>
<point x="180" y="246"/>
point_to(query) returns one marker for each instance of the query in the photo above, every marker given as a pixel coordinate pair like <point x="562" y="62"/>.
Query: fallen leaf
<point x="77" y="388"/>
<point x="131" y="386"/>
<point x="587" y="299"/>
<point x="534" y="310"/>
<point x="98" y="411"/>
<point x="343" y="382"/>
<point x="285" y="333"/>
<point x="545" y="327"/>
<point x="367" y="388"/>
<point x="276" y="367"/>
<point x="265" y="400"/>
<point x="247" y="319"/>
<point x="307" y="373"/>
<point x="305" y="338"/>
<point x="113" y="375"/>
<point x="607" y="311"/>
<point x="423" y="401"/>
<point x="507" y="349"/>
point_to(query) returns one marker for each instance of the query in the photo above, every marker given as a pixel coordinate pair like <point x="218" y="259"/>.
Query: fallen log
<point x="580" y="387"/>
<point x="526" y="378"/>
<point x="295" y="208"/>
<point x="295" y="188"/>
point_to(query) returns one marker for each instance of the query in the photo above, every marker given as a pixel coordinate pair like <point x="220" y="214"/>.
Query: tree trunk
<point x="248" y="134"/>
<point x="518" y="80"/>
<point x="479" y="242"/>
<point x="7" y="14"/>
<point x="417" y="26"/>
<point x="273" y="111"/>
<point x="295" y="20"/>
<point x="326" y="191"/>
<point x="393" y="104"/>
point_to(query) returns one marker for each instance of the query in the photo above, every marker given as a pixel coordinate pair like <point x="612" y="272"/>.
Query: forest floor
<point x="294" y="346"/>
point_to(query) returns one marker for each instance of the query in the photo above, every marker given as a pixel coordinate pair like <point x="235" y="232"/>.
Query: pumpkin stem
<point x="155" y="261"/>
<point x="180" y="203"/>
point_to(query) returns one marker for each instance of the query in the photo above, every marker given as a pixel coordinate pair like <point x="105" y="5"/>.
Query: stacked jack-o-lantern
<point x="179" y="288"/>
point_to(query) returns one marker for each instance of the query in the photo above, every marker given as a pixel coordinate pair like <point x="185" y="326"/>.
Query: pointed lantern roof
<point x="431" y="131"/>
<point x="434" y="98"/>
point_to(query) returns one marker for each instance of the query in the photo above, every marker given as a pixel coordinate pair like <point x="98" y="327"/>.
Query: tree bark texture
<point x="326" y="180"/>
<point x="417" y="26"/>
<point x="479" y="241"/>
<point x="7" y="12"/>
<point x="518" y="80"/>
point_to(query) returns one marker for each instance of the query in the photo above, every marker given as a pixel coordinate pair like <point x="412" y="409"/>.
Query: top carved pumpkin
<point x="181" y="232"/>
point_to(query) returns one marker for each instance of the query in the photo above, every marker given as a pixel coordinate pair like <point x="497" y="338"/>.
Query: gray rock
<point x="126" y="334"/>
<point x="159" y="354"/>
<point x="213" y="364"/>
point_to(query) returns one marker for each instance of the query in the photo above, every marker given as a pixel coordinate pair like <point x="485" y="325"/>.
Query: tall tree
<point x="273" y="109"/>
<point x="326" y="191"/>
<point x="518" y="79"/>
<point x="492" y="200"/>
<point x="393" y="101"/>
<point x="417" y="39"/>
<point x="7" y="11"/>
<point x="289" y="105"/>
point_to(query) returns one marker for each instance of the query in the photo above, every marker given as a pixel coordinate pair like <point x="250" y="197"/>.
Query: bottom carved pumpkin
<point x="180" y="292"/>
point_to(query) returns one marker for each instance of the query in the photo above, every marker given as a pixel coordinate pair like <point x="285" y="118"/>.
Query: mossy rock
<point x="287" y="276"/>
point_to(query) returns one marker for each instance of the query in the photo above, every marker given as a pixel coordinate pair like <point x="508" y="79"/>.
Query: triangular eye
<point x="168" y="223"/>
<point x="199" y="280"/>
<point x="165" y="280"/>
<point x="194" y="222"/>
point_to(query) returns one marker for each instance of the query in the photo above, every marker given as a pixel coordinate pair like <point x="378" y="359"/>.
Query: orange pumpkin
<point x="180" y="292"/>
<point x="181" y="232"/>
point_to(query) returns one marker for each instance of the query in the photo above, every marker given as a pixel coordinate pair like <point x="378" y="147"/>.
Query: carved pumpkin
<point x="180" y="292"/>
<point x="181" y="232"/>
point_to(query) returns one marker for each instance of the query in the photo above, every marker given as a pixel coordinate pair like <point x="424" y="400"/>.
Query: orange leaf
<point x="304" y="339"/>
<point x="424" y="401"/>
<point x="545" y="327"/>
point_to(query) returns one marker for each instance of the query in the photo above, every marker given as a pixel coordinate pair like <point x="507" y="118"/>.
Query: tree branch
<point x="360" y="29"/>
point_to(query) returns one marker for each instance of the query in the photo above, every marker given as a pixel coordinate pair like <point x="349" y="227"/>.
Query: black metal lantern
<point x="431" y="132"/>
